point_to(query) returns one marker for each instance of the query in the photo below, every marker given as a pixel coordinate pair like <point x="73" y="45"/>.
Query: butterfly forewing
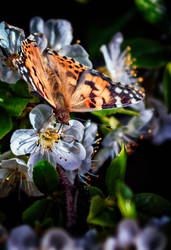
<point x="32" y="67"/>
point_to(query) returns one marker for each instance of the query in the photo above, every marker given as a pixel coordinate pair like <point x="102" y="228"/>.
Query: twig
<point x="71" y="203"/>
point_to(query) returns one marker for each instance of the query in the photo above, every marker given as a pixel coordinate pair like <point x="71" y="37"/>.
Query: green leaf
<point x="20" y="89"/>
<point x="14" y="105"/>
<point x="45" y="177"/>
<point x="152" y="204"/>
<point x="148" y="53"/>
<point x="39" y="211"/>
<point x="167" y="86"/>
<point x="116" y="171"/>
<point x="100" y="215"/>
<point x="125" y="200"/>
<point x="152" y="11"/>
<point x="11" y="98"/>
<point x="108" y="112"/>
<point x="93" y="191"/>
<point x="5" y="124"/>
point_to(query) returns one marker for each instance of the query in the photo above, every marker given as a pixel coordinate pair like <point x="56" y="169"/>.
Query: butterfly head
<point x="63" y="115"/>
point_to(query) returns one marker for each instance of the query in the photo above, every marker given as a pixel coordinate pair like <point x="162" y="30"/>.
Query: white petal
<point x="59" y="33"/>
<point x="69" y="156"/>
<point x="8" y="75"/>
<point x="38" y="156"/>
<point x="111" y="243"/>
<point x="36" y="25"/>
<point x="76" y="129"/>
<point x="137" y="123"/>
<point x="23" y="141"/>
<point x="89" y="134"/>
<point x="78" y="53"/>
<point x="126" y="232"/>
<point x="40" y="115"/>
<point x="114" y="46"/>
<point x="150" y="238"/>
<point x="11" y="38"/>
<point x="40" y="39"/>
<point x="101" y="157"/>
<point x="110" y="65"/>
<point x="12" y="163"/>
<point x="86" y="163"/>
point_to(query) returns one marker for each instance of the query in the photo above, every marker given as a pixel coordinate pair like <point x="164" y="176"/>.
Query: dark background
<point x="149" y="166"/>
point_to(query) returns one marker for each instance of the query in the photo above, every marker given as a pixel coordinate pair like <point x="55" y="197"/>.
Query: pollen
<point x="48" y="138"/>
<point x="140" y="79"/>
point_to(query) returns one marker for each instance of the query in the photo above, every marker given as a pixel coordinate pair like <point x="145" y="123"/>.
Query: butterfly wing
<point x="68" y="72"/>
<point x="95" y="91"/>
<point x="66" y="84"/>
<point x="32" y="67"/>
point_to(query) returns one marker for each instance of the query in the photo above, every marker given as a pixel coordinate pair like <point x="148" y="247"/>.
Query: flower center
<point x="48" y="137"/>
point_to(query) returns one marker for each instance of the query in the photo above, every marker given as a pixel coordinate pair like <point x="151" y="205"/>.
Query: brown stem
<point x="71" y="201"/>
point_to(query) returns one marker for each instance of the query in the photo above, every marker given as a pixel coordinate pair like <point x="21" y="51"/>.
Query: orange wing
<point x="88" y="90"/>
<point x="67" y="85"/>
<point x="32" y="66"/>
<point x="95" y="91"/>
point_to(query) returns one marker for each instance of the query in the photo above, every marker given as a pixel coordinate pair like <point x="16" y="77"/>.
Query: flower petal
<point x="75" y="129"/>
<point x="12" y="163"/>
<point x="78" y="53"/>
<point x="89" y="134"/>
<point x="36" y="25"/>
<point x="23" y="141"/>
<point x="137" y="123"/>
<point x="39" y="155"/>
<point x="40" y="116"/>
<point x="11" y="38"/>
<point x="114" y="46"/>
<point x="69" y="156"/>
<point x="58" y="32"/>
<point x="8" y="75"/>
<point x="40" y="39"/>
<point x="86" y="164"/>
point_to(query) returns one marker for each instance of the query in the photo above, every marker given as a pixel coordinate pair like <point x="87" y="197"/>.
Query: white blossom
<point x="88" y="141"/>
<point x="58" y="143"/>
<point x="15" y="171"/>
<point x="135" y="128"/>
<point x="161" y="122"/>
<point x="59" y="35"/>
<point x="119" y="64"/>
<point x="10" y="44"/>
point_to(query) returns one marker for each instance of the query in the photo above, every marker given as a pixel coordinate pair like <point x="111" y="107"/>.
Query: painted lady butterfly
<point x="69" y="86"/>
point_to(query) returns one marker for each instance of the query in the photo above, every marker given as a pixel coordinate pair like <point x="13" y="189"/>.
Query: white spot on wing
<point x="118" y="90"/>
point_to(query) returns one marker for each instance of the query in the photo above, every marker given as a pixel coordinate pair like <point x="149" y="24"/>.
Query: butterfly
<point x="69" y="86"/>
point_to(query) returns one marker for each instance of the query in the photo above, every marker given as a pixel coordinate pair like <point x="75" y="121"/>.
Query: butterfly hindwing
<point x="95" y="91"/>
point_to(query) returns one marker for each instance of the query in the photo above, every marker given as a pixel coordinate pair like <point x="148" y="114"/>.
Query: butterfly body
<point x="69" y="86"/>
